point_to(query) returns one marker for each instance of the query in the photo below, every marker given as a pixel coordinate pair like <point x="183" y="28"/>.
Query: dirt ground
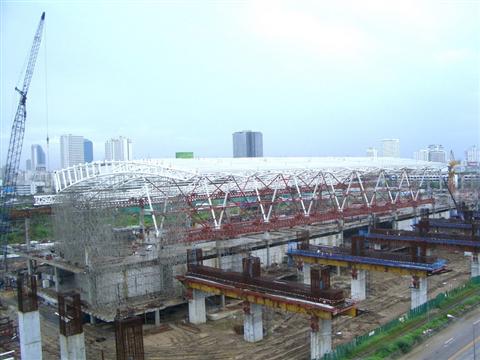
<point x="288" y="337"/>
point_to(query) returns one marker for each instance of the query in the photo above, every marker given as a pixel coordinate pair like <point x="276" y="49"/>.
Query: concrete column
<point x="358" y="285"/>
<point x="57" y="279"/>
<point x="419" y="292"/>
<point x="395" y="221"/>
<point x="72" y="347"/>
<point x="157" y="317"/>
<point x="30" y="336"/>
<point x="377" y="246"/>
<point x="320" y="339"/>
<point x="93" y="321"/>
<point x="428" y="252"/>
<point x="252" y="323"/>
<point x="237" y="262"/>
<point x="306" y="273"/>
<point x="475" y="265"/>
<point x="196" y="308"/>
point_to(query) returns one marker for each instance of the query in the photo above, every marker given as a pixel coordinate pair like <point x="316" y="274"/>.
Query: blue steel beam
<point x="464" y="244"/>
<point x="353" y="259"/>
<point x="449" y="225"/>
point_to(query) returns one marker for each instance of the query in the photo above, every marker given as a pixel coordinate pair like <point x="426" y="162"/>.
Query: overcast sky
<point x="317" y="78"/>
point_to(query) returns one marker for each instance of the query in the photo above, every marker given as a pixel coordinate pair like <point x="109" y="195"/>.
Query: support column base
<point x="72" y="347"/>
<point x="197" y="313"/>
<point x="321" y="340"/>
<point x="419" y="294"/>
<point x="30" y="335"/>
<point x="253" y="323"/>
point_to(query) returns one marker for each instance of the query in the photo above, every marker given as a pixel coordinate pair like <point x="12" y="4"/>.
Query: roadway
<point x="453" y="343"/>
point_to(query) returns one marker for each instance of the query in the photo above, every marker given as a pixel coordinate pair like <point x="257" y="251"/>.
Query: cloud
<point x="303" y="30"/>
<point x="453" y="56"/>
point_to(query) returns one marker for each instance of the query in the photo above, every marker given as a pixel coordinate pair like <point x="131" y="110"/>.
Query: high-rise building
<point x="421" y="155"/>
<point x="372" y="152"/>
<point x="28" y="165"/>
<point x="247" y="143"/>
<point x="119" y="149"/>
<point x="391" y="148"/>
<point x="472" y="155"/>
<point x="87" y="150"/>
<point x="71" y="150"/>
<point x="38" y="158"/>
<point x="436" y="153"/>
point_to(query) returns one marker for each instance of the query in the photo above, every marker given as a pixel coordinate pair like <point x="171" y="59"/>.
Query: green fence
<point x="343" y="350"/>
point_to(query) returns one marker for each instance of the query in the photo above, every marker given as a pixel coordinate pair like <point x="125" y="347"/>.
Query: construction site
<point x="220" y="258"/>
<point x="305" y="253"/>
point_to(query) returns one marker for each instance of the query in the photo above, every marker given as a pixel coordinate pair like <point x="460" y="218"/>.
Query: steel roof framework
<point x="225" y="199"/>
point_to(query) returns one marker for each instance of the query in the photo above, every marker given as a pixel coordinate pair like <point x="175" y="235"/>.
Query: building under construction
<point x="122" y="228"/>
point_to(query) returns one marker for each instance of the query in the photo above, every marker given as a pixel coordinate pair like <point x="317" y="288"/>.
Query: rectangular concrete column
<point x="30" y="336"/>
<point x="72" y="338"/>
<point x="157" y="317"/>
<point x="475" y="265"/>
<point x="320" y="338"/>
<point x="237" y="262"/>
<point x="72" y="347"/>
<point x="419" y="292"/>
<point x="196" y="308"/>
<point x="377" y="246"/>
<point x="252" y="322"/>
<point x="306" y="273"/>
<point x="358" y="285"/>
<point x="57" y="279"/>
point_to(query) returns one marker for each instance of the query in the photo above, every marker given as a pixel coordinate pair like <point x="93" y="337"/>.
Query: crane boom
<point x="16" y="140"/>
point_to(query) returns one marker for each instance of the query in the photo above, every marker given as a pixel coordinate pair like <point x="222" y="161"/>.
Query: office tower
<point x="421" y="155"/>
<point x="38" y="158"/>
<point x="87" y="150"/>
<point x="436" y="153"/>
<point x="372" y="152"/>
<point x="391" y="148"/>
<point x="28" y="165"/>
<point x="247" y="144"/>
<point x="119" y="149"/>
<point x="472" y="155"/>
<point x="71" y="150"/>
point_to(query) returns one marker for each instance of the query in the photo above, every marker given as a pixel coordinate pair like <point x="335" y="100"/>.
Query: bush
<point x="404" y="345"/>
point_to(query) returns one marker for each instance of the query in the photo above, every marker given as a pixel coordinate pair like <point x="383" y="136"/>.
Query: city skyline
<point x="296" y="97"/>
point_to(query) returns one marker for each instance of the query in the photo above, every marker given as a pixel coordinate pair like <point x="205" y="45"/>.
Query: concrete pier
<point x="252" y="322"/>
<point x="418" y="292"/>
<point x="474" y="265"/>
<point x="306" y="273"/>
<point x="72" y="338"/>
<point x="30" y="336"/>
<point x="29" y="318"/>
<point x="72" y="347"/>
<point x="157" y="317"/>
<point x="359" y="285"/>
<point x="320" y="338"/>
<point x="196" y="308"/>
